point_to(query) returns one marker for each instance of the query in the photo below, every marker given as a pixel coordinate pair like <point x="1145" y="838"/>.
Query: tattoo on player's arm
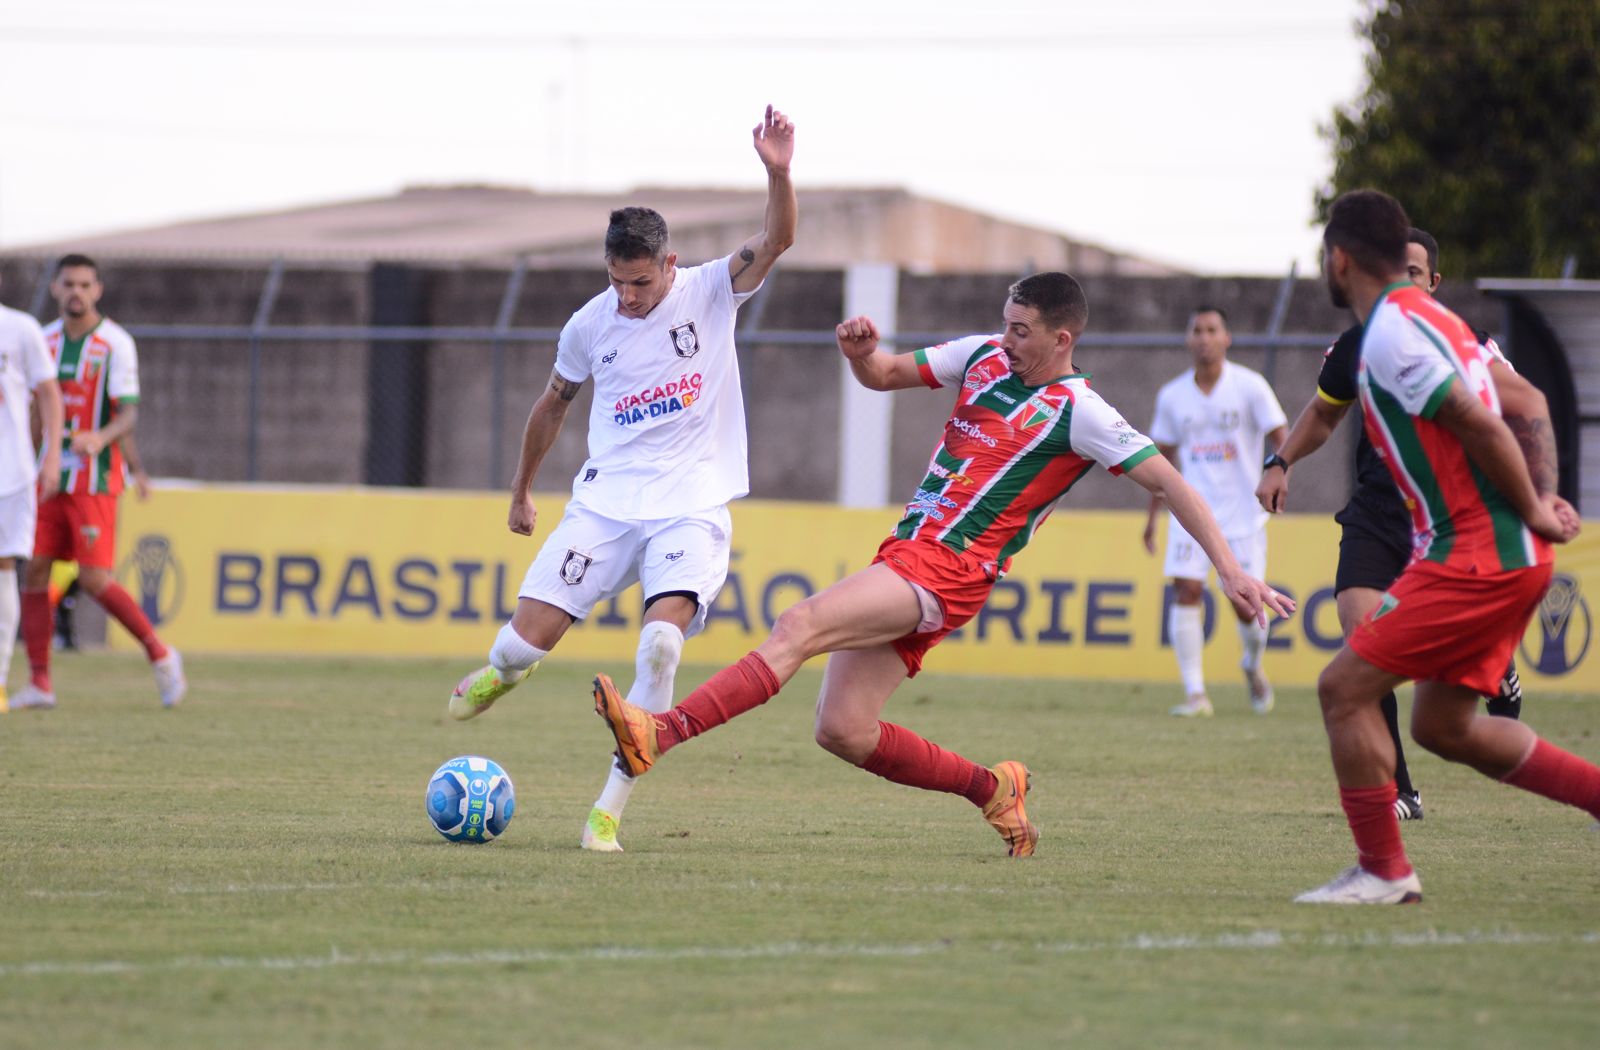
<point x="1538" y="443"/>
<point x="746" y="256"/>
<point x="565" y="388"/>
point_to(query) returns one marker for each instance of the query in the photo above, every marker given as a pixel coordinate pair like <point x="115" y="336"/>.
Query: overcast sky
<point x="1179" y="131"/>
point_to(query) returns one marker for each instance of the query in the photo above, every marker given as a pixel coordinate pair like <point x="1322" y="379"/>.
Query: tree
<point x="1483" y="118"/>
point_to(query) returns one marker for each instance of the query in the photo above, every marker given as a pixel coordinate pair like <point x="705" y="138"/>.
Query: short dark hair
<point x="636" y="233"/>
<point x="1424" y="238"/>
<point x="76" y="259"/>
<point x="1207" y="308"/>
<point x="1372" y="228"/>
<point x="1057" y="297"/>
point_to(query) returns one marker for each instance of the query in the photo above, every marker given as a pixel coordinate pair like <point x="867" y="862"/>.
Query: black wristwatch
<point x="1275" y="460"/>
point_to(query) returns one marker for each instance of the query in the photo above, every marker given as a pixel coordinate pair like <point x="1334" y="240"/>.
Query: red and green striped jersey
<point x="1412" y="350"/>
<point x="96" y="373"/>
<point x="1009" y="451"/>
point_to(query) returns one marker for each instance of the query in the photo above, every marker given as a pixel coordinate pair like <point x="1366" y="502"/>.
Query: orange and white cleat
<point x="633" y="726"/>
<point x="1005" y="811"/>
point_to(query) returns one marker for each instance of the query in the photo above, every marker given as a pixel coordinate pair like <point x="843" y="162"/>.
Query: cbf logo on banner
<point x="1558" y="638"/>
<point x="152" y="573"/>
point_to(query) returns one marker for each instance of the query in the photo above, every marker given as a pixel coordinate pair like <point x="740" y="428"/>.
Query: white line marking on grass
<point x="1258" y="940"/>
<point x="231" y="887"/>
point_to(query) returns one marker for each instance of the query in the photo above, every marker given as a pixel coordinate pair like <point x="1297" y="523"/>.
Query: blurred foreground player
<point x="1025" y="427"/>
<point x="1453" y="618"/>
<point x="1376" y="537"/>
<point x="667" y="453"/>
<point x="25" y="370"/>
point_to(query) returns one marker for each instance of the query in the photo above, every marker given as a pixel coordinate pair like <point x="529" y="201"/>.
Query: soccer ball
<point x="470" y="799"/>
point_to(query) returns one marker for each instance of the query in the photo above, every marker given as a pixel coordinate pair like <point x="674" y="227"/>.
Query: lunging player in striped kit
<point x="1025" y="427"/>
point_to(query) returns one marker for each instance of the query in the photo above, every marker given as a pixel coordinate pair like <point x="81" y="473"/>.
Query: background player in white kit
<point x="667" y="453"/>
<point x="25" y="367"/>
<point x="1212" y="421"/>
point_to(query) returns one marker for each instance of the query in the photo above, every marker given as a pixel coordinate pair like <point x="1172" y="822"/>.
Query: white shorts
<point x="590" y="558"/>
<point x="18" y="517"/>
<point x="1186" y="561"/>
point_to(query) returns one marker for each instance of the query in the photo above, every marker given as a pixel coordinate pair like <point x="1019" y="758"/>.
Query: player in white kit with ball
<point x="667" y="453"/>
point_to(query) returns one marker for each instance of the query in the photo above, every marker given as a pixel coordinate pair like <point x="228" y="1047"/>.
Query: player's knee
<point x="93" y="579"/>
<point x="1187" y="592"/>
<point x="1331" y="694"/>
<point x="842" y="739"/>
<point x="796" y="627"/>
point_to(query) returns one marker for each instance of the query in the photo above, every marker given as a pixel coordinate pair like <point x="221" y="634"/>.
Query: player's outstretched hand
<point x="1273" y="491"/>
<point x="1252" y="598"/>
<point x="1150" y="535"/>
<point x="774" y="138"/>
<point x="1556" y="521"/>
<point x="522" y="516"/>
<point x="857" y="337"/>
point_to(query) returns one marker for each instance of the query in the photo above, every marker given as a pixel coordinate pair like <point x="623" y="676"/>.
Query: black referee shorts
<point x="1369" y="557"/>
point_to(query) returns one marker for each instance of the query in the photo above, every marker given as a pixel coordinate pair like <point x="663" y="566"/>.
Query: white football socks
<point x="1186" y="625"/>
<point x="1253" y="640"/>
<point x="10" y="617"/>
<point x="512" y="655"/>
<point x="655" y="667"/>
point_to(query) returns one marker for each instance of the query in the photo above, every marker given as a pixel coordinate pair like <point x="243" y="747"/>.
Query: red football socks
<point x="119" y="603"/>
<point x="731" y="692"/>
<point x="906" y="758"/>
<point x="1558" y="774"/>
<point x="36" y="632"/>
<point x="1370" y="812"/>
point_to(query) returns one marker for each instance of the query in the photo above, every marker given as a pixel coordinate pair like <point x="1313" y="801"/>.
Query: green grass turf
<point x="255" y="869"/>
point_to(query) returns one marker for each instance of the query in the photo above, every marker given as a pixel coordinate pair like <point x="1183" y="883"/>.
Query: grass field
<point x="255" y="869"/>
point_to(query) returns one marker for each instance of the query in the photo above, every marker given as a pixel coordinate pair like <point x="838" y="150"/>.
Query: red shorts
<point x="960" y="582"/>
<point x="1444" y="625"/>
<point x="80" y="528"/>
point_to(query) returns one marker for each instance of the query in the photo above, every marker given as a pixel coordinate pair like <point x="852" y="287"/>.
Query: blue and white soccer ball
<point x="470" y="799"/>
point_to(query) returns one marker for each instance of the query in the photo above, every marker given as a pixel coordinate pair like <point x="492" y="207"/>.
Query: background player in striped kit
<point x="1453" y="618"/>
<point x="97" y="366"/>
<point x="1213" y="421"/>
<point x="1376" y="538"/>
<point x="1025" y="427"/>
<point x="25" y="367"/>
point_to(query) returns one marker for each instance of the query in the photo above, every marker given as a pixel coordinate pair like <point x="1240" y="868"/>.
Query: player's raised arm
<point x="1248" y="595"/>
<point x="875" y="368"/>
<point x="544" y="423"/>
<point x="774" y="141"/>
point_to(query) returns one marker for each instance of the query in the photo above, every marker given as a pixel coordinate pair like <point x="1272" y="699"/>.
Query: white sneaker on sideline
<point x="1357" y="885"/>
<point x="31" y="695"/>
<point x="170" y="682"/>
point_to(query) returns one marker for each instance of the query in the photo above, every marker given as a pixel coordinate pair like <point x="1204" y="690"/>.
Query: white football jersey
<point x="24" y="364"/>
<point x="667" y="431"/>
<point x="1220" y="438"/>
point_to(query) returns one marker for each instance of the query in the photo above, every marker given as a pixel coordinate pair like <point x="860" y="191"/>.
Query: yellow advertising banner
<point x="252" y="569"/>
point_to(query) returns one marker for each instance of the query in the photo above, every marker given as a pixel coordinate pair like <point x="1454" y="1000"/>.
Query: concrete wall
<point x="313" y="396"/>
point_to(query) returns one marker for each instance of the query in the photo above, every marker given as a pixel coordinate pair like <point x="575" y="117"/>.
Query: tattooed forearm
<point x="565" y="389"/>
<point x="747" y="257"/>
<point x="1538" y="443"/>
